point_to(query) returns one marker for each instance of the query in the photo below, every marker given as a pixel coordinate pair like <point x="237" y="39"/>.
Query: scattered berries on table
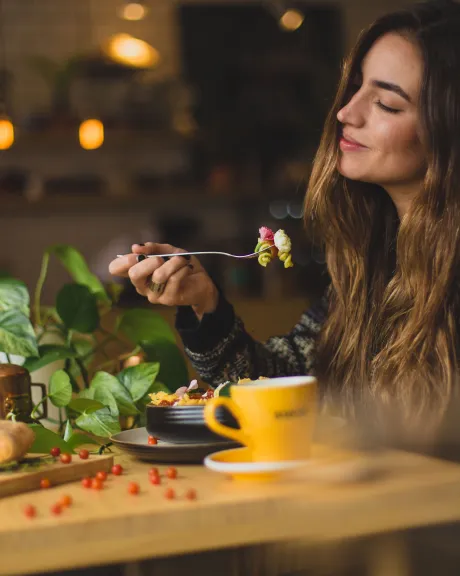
<point x="117" y="469"/>
<point x="171" y="473"/>
<point x="170" y="494"/>
<point x="97" y="484"/>
<point x="55" y="451"/>
<point x="66" y="458"/>
<point x="30" y="511"/>
<point x="86" y="482"/>
<point x="155" y="479"/>
<point x="101" y="475"/>
<point x="133" y="488"/>
<point x="56" y="509"/>
<point x="84" y="454"/>
<point x="190" y="494"/>
<point x="152" y="440"/>
<point x="65" y="501"/>
<point x="45" y="483"/>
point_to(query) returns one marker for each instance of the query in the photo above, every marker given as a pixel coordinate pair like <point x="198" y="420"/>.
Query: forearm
<point x="220" y="348"/>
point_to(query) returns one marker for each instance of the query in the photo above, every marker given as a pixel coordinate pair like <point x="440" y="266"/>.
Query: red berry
<point x="133" y="488"/>
<point x="66" y="458"/>
<point x="153" y="471"/>
<point x="86" y="482"/>
<point x="56" y="509"/>
<point x="171" y="473"/>
<point x="155" y="479"/>
<point x="84" y="454"/>
<point x="101" y="475"/>
<point x="190" y="494"/>
<point x="152" y="440"/>
<point x="45" y="483"/>
<point x="97" y="484"/>
<point x="55" y="451"/>
<point x="65" y="501"/>
<point x="117" y="469"/>
<point x="170" y="494"/>
<point x="30" y="511"/>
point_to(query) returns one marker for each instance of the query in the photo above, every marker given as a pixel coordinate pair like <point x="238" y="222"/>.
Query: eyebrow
<point x="391" y="88"/>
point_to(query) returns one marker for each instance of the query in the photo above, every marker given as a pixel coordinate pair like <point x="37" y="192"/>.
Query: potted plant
<point x="94" y="391"/>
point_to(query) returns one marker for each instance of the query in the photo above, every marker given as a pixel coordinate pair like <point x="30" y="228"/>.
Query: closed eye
<point x="387" y="108"/>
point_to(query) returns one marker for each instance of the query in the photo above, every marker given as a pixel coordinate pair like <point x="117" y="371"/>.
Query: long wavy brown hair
<point x="392" y="329"/>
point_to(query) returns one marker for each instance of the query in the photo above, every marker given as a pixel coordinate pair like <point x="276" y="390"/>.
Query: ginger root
<point x="15" y="440"/>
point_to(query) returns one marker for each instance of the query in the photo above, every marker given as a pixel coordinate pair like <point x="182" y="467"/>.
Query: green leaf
<point x="60" y="388"/>
<point x="46" y="439"/>
<point x="83" y="348"/>
<point x="14" y="295"/>
<point x="68" y="431"/>
<point x="173" y="369"/>
<point x="107" y="399"/>
<point x="48" y="353"/>
<point x="142" y="324"/>
<point x="17" y="335"/>
<point x="77" y="307"/>
<point x="108" y="382"/>
<point x="79" y="439"/>
<point x="115" y="290"/>
<point x="87" y="393"/>
<point x="139" y="379"/>
<point x="77" y="267"/>
<point x="101" y="423"/>
<point x="88" y="405"/>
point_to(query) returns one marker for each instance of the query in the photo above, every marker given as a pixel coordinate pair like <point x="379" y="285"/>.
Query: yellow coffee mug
<point x="276" y="417"/>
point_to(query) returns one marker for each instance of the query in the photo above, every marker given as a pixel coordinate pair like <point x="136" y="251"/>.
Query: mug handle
<point x="44" y="413"/>
<point x="212" y="422"/>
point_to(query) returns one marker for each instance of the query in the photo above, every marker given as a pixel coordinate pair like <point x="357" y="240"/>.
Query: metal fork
<point x="252" y="255"/>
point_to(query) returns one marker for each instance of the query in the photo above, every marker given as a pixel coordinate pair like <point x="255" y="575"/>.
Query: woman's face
<point x="380" y="140"/>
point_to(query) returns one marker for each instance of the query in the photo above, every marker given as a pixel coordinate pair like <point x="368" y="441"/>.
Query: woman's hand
<point x="179" y="281"/>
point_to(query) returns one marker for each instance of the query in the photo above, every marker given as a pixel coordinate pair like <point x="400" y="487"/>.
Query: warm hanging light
<point x="6" y="133"/>
<point x="133" y="11"/>
<point x="291" y="20"/>
<point x="91" y="134"/>
<point x="131" y="51"/>
<point x="6" y="126"/>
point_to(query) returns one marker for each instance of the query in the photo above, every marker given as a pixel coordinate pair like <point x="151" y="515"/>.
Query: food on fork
<point x="279" y="244"/>
<point x="284" y="245"/>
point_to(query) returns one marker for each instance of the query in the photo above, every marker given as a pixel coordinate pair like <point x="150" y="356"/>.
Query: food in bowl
<point x="179" y="417"/>
<point x="191" y="395"/>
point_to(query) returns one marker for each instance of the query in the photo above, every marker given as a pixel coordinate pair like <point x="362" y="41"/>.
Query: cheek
<point x="401" y="142"/>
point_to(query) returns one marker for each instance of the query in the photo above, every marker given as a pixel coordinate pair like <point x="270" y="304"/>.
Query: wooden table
<point x="112" y="526"/>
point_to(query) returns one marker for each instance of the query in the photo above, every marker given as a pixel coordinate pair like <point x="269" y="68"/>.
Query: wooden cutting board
<point x="18" y="481"/>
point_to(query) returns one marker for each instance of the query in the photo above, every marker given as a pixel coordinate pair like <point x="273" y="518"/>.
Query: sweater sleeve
<point x="220" y="348"/>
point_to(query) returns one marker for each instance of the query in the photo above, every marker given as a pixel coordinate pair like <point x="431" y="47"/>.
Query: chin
<point x="354" y="171"/>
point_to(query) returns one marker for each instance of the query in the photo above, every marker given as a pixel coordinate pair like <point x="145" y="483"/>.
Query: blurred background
<point x="186" y="122"/>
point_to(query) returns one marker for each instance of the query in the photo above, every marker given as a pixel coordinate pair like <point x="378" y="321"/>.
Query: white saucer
<point x="327" y="464"/>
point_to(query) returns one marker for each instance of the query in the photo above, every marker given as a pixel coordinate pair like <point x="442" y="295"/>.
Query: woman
<point x="384" y="203"/>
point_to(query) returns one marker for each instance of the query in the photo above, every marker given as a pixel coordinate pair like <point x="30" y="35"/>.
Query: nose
<point x="353" y="113"/>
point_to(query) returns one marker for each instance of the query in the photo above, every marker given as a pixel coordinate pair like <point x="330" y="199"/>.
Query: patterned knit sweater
<point x="220" y="349"/>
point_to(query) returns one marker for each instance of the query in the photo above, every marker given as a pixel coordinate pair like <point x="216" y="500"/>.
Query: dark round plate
<point x="185" y="424"/>
<point x="134" y="442"/>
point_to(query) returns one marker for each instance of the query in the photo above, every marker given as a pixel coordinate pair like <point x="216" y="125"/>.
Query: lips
<point x="349" y="144"/>
<point x="351" y="140"/>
